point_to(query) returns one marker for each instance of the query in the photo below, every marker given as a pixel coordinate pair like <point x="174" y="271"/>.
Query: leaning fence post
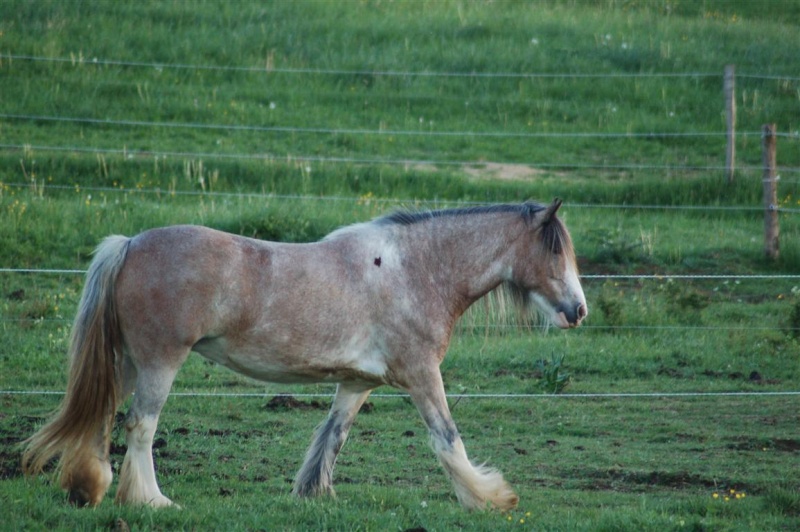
<point x="730" y="120"/>
<point x="770" y="180"/>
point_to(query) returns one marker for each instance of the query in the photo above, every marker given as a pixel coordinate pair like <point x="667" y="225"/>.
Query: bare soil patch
<point x="511" y="172"/>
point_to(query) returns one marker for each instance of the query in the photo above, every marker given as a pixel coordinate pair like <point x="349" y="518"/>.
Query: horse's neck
<point x="467" y="256"/>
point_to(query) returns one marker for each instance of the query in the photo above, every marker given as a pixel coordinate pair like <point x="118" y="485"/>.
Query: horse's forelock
<point x="552" y="231"/>
<point x="555" y="237"/>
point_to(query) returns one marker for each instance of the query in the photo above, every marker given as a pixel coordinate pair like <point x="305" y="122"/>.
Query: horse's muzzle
<point x="573" y="316"/>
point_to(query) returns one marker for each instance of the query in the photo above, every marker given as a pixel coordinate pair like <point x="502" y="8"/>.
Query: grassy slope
<point x="588" y="464"/>
<point x="392" y="36"/>
<point x="621" y="39"/>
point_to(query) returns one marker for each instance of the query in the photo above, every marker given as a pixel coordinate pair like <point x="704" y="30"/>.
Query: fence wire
<point x="77" y="187"/>
<point x="131" y="154"/>
<point x="82" y="61"/>
<point x="649" y="276"/>
<point x="617" y="395"/>
<point x="334" y="131"/>
<point x="94" y="61"/>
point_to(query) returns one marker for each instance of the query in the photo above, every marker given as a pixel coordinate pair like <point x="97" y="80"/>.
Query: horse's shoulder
<point x="354" y="231"/>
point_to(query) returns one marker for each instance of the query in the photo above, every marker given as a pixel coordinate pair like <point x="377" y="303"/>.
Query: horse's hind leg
<point x="316" y="474"/>
<point x="137" y="481"/>
<point x="476" y="486"/>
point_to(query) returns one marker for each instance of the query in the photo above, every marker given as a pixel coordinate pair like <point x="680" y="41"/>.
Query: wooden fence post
<point x="730" y="120"/>
<point x="770" y="180"/>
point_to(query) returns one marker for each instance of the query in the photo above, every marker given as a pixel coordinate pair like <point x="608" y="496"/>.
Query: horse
<point x="370" y="304"/>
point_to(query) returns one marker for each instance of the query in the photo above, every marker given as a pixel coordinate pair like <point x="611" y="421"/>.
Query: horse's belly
<point x="351" y="364"/>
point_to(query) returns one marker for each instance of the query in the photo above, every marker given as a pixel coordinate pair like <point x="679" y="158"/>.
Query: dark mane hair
<point x="527" y="210"/>
<point x="554" y="234"/>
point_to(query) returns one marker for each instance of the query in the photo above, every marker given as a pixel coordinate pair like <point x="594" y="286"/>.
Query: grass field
<point x="286" y="120"/>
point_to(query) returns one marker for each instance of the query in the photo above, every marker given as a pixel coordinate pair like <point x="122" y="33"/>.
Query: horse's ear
<point x="551" y="210"/>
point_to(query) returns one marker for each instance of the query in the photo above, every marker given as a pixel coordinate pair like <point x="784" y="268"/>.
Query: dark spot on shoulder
<point x="377" y="262"/>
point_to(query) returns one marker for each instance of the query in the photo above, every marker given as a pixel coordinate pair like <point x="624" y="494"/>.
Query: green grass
<point x="450" y="37"/>
<point x="578" y="463"/>
<point x="646" y="462"/>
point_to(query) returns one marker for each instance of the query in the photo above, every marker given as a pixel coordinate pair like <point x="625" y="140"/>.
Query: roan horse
<point x="371" y="304"/>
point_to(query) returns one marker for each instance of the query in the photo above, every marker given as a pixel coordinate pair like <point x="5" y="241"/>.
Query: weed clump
<point x="610" y="306"/>
<point x="794" y="320"/>
<point x="684" y="301"/>
<point x="553" y="379"/>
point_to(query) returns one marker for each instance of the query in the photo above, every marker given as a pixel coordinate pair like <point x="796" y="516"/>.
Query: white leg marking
<point x="137" y="483"/>
<point x="477" y="487"/>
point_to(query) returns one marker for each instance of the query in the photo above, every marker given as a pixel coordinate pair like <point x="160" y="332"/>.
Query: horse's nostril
<point x="581" y="311"/>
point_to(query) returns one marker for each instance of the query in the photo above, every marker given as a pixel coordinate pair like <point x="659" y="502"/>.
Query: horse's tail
<point x="80" y="430"/>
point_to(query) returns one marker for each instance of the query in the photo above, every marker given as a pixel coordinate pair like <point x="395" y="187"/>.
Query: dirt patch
<point x="744" y="443"/>
<point x="119" y="525"/>
<point x="10" y="452"/>
<point x="16" y="295"/>
<point x="787" y="445"/>
<point x="511" y="172"/>
<point x="9" y="465"/>
<point x="639" y="481"/>
<point x="288" y="402"/>
<point x="422" y="167"/>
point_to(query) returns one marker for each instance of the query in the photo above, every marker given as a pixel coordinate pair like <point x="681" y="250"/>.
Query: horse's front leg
<point x="316" y="474"/>
<point x="477" y="487"/>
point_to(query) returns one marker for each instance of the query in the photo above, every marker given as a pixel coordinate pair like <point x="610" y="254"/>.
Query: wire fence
<point x="509" y="327"/>
<point x="41" y="187"/>
<point x="132" y="153"/>
<point x="353" y="160"/>
<point x="457" y="396"/>
<point x="81" y="60"/>
<point x="323" y="159"/>
<point x="127" y="153"/>
<point x="419" y="133"/>
<point x="651" y="276"/>
<point x="405" y="161"/>
<point x="473" y="324"/>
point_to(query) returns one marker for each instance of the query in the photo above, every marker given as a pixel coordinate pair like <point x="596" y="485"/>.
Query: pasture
<point x="677" y="404"/>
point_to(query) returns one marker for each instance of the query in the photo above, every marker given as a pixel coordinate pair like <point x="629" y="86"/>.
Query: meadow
<point x="675" y="406"/>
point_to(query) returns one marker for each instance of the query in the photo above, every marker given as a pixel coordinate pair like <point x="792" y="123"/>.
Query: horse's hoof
<point x="162" y="502"/>
<point x="78" y="498"/>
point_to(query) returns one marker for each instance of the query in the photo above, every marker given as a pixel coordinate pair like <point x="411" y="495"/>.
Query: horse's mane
<point x="408" y="217"/>
<point x="554" y="234"/>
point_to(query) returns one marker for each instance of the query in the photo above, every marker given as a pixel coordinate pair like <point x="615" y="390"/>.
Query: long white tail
<point x="80" y="430"/>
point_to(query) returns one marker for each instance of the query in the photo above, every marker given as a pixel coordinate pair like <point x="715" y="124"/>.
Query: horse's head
<point x="546" y="273"/>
